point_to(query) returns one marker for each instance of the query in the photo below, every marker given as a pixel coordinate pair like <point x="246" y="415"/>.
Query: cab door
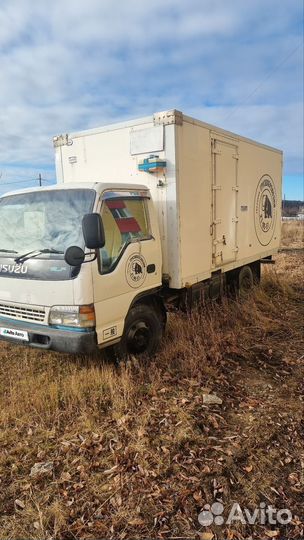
<point x="130" y="262"/>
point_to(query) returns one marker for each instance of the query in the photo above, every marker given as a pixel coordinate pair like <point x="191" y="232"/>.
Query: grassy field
<point x="136" y="452"/>
<point x="293" y="234"/>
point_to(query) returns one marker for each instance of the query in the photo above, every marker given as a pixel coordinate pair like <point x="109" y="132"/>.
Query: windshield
<point x="43" y="220"/>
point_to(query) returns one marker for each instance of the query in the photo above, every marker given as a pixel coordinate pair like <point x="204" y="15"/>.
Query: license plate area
<point x="13" y="333"/>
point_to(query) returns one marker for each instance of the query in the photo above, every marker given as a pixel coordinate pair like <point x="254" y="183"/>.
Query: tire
<point x="245" y="281"/>
<point x="142" y="335"/>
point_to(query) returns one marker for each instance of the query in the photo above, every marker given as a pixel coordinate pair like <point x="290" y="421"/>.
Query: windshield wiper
<point x="8" y="251"/>
<point x="35" y="253"/>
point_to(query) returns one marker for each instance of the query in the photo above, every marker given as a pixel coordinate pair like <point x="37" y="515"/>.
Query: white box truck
<point x="146" y="214"/>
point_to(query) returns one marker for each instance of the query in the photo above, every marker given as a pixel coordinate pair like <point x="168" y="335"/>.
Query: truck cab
<point x="51" y="299"/>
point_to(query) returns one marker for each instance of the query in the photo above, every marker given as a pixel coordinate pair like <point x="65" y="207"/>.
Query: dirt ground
<point x="138" y="451"/>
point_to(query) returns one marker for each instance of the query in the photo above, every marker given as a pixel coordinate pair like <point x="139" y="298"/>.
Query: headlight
<point x="78" y="316"/>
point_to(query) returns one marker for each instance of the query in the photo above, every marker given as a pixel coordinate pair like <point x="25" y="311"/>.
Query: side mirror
<point x="74" y="256"/>
<point x="93" y="231"/>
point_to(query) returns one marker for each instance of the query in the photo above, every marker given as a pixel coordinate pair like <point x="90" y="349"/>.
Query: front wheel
<point x="143" y="331"/>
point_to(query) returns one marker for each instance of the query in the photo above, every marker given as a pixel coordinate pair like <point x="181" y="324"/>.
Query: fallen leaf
<point x="65" y="477"/>
<point x="116" y="500"/>
<point x="141" y="432"/>
<point x="110" y="471"/>
<point x="41" y="468"/>
<point x="272" y="534"/>
<point x="206" y="536"/>
<point x="20" y="504"/>
<point x="213" y="421"/>
<point x="248" y="468"/>
<point x="292" y="478"/>
<point x="136" y="521"/>
<point x="122" y="420"/>
<point x="197" y="496"/>
<point x="212" y="399"/>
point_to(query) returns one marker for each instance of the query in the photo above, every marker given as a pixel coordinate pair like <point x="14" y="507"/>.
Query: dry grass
<point x="135" y="451"/>
<point x="292" y="234"/>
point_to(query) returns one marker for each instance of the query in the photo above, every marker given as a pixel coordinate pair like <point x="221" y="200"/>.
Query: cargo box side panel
<point x="194" y="202"/>
<point x="259" y="202"/>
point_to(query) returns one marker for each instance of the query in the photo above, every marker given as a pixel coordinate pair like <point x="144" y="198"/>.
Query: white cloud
<point x="273" y="125"/>
<point x="70" y="65"/>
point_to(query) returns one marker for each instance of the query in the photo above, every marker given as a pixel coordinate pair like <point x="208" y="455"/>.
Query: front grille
<point x="22" y="313"/>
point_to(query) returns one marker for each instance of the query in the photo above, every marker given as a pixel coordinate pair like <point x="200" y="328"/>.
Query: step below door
<point x="224" y="201"/>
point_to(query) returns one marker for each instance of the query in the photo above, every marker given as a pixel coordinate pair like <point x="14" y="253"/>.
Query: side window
<point x="124" y="220"/>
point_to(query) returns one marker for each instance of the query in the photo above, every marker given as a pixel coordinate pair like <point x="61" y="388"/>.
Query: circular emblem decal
<point x="136" y="270"/>
<point x="265" y="210"/>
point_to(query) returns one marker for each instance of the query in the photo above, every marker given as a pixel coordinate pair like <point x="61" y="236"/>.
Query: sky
<point x="72" y="65"/>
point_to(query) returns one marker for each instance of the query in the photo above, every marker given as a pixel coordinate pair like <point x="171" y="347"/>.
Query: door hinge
<point x="222" y="241"/>
<point x="214" y="187"/>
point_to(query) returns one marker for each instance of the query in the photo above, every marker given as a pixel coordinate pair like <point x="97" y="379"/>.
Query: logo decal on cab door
<point x="136" y="270"/>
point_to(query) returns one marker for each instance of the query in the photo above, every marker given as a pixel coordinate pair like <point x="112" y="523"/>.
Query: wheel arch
<point x="153" y="298"/>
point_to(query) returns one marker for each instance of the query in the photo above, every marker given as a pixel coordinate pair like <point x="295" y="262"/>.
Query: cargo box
<point x="217" y="194"/>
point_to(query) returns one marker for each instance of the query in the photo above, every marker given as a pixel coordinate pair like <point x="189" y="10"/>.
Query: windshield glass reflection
<point x="43" y="220"/>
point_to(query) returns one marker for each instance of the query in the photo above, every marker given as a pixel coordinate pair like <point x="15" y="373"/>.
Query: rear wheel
<point x="143" y="331"/>
<point x="245" y="280"/>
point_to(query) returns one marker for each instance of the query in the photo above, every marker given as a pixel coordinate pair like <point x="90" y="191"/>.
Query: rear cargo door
<point x="224" y="200"/>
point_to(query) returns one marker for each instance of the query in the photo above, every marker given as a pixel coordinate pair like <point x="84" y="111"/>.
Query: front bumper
<point x="55" y="339"/>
